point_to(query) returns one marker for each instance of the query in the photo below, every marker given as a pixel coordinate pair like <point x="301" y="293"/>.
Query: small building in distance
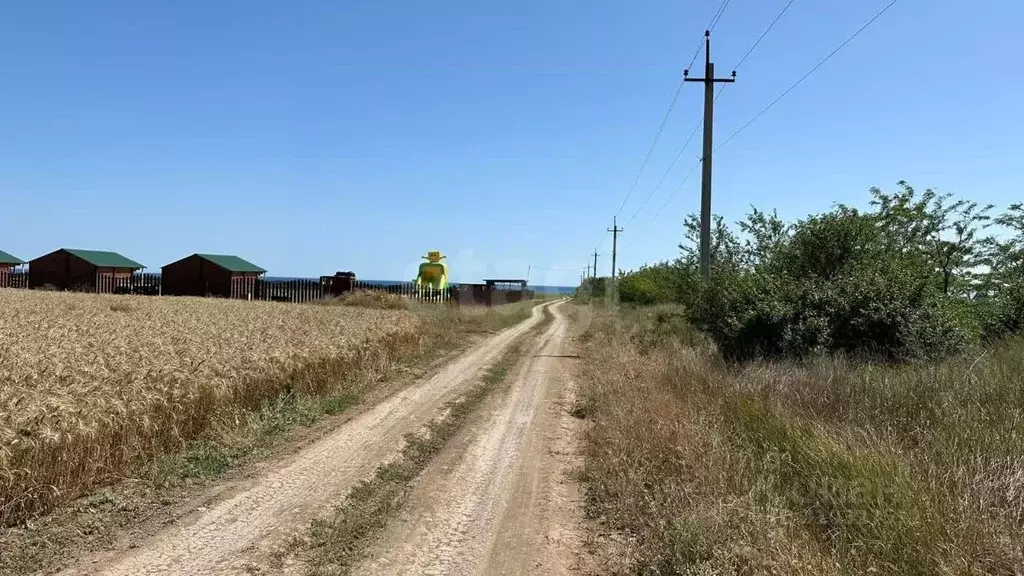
<point x="506" y="291"/>
<point x="8" y="263"/>
<point x="210" y="275"/>
<point x="494" y="292"/>
<point x="74" y="269"/>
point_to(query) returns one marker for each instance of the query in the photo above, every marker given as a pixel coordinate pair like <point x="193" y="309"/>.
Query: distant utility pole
<point x="595" y="263"/>
<point x="588" y="270"/>
<point x="709" y="81"/>
<point x="615" y="230"/>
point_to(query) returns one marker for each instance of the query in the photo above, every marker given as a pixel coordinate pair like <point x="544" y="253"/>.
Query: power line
<point x="757" y="42"/>
<point x="552" y="269"/>
<point x="669" y="170"/>
<point x="718" y="16"/>
<point x="809" y="72"/>
<point x="673" y="194"/>
<point x="673" y="164"/>
<point x="695" y="54"/>
<point x="711" y="27"/>
<point x="664" y="121"/>
<point x="776" y="101"/>
<point x="688" y="174"/>
<point x="763" y="34"/>
<point x="650" y="149"/>
<point x="615" y="230"/>
<point x="689" y="139"/>
<point x="675" y="97"/>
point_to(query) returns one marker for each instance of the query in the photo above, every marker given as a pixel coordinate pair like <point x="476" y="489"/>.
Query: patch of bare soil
<point x="503" y="499"/>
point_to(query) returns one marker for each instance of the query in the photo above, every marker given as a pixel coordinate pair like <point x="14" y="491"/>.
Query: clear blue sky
<point x="316" y="136"/>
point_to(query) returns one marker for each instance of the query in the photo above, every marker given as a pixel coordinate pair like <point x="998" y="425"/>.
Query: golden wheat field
<point x="92" y="384"/>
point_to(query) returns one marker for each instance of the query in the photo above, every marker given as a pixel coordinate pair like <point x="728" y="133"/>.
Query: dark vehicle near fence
<point x="340" y="283"/>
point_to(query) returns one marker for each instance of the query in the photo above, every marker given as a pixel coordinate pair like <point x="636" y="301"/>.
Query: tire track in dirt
<point x="505" y="504"/>
<point x="265" y="511"/>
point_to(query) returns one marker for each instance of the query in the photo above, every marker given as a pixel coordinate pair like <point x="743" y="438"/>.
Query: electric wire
<point x="781" y="96"/>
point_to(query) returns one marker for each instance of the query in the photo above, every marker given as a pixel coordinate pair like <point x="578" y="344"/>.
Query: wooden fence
<point x="294" y="290"/>
<point x="410" y="290"/>
<point x="299" y="290"/>
<point x="463" y="294"/>
<point x="144" y="284"/>
<point x="13" y="279"/>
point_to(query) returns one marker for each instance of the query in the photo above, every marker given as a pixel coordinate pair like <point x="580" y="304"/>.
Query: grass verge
<point x="829" y="466"/>
<point x="337" y="543"/>
<point x="240" y="436"/>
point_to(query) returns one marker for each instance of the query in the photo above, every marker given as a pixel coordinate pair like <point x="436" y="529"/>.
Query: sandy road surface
<point x="501" y="501"/>
<point x="260" y="514"/>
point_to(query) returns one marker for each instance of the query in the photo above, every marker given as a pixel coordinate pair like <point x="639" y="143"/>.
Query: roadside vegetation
<point x="148" y="395"/>
<point x="914" y="276"/>
<point x="824" y="466"/>
<point x="844" y="397"/>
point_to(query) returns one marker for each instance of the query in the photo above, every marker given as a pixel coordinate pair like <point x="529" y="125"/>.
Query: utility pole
<point x="709" y="81"/>
<point x="588" y="270"/>
<point x="615" y="230"/>
<point x="595" y="263"/>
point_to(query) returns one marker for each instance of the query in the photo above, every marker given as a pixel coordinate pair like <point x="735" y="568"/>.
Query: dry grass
<point x="92" y="385"/>
<point x="825" y="467"/>
<point x="371" y="299"/>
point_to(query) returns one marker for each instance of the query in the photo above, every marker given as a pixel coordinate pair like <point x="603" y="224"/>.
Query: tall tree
<point x="1005" y="257"/>
<point x="725" y="246"/>
<point x="942" y="229"/>
<point x="764" y="234"/>
<point x="956" y="249"/>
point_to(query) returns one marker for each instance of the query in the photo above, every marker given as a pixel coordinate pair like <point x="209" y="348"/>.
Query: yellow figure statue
<point x="433" y="273"/>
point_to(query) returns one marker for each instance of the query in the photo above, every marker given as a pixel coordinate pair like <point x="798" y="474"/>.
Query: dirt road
<point x="499" y="499"/>
<point x="264" y="511"/>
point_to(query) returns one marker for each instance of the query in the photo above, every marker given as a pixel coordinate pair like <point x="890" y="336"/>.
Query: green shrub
<point x="831" y="288"/>
<point x="742" y="313"/>
<point x="656" y="284"/>
<point x="893" y="282"/>
<point x="1001" y="316"/>
<point x="591" y="289"/>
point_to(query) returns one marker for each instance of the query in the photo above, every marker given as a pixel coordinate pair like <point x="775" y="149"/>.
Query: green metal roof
<point x="232" y="263"/>
<point x="6" y="258"/>
<point x="104" y="259"/>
